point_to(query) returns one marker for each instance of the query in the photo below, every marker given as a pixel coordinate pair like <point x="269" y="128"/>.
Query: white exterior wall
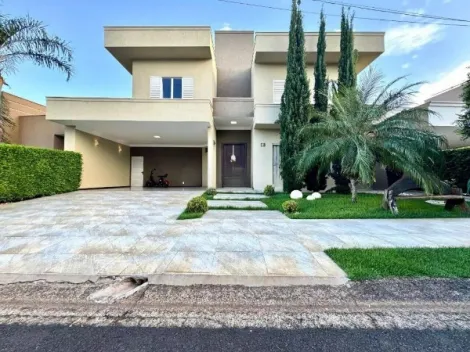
<point x="447" y="113"/>
<point x="262" y="157"/>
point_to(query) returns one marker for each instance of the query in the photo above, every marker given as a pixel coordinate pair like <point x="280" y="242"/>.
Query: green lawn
<point x="368" y="206"/>
<point x="187" y="216"/>
<point x="339" y="206"/>
<point x="364" y="264"/>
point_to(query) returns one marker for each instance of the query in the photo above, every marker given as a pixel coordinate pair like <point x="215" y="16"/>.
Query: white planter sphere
<point x="316" y="195"/>
<point x="296" y="195"/>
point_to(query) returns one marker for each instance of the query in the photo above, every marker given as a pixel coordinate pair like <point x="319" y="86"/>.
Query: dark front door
<point x="234" y="166"/>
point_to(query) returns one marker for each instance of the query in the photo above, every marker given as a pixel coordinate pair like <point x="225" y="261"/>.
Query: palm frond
<point x="24" y="38"/>
<point x="374" y="123"/>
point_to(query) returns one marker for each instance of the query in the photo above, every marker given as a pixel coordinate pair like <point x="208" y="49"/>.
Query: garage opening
<point x="184" y="166"/>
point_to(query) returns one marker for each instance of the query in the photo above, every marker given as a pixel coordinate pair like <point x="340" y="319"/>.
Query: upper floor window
<point x="171" y="87"/>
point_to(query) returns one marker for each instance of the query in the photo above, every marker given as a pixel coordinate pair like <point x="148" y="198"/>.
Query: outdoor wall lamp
<point x="97" y="143"/>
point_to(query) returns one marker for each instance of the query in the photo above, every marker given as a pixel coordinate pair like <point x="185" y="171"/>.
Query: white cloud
<point x="405" y="65"/>
<point x="407" y="38"/>
<point x="446" y="1"/>
<point x="445" y="81"/>
<point x="226" y="27"/>
<point x="415" y="56"/>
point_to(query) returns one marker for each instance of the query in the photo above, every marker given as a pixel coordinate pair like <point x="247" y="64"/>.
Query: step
<point x="236" y="204"/>
<point x="238" y="196"/>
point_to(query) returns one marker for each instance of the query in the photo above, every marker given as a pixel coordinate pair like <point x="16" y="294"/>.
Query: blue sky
<point x="428" y="52"/>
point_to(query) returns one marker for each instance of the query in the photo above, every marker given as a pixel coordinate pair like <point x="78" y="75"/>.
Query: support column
<point x="211" y="157"/>
<point x="69" y="138"/>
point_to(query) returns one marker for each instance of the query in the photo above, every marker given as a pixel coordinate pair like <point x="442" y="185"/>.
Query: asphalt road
<point x="61" y="338"/>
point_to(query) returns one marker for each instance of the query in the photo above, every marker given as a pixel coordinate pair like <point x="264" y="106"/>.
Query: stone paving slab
<point x="236" y="204"/>
<point x="86" y="234"/>
<point x="238" y="196"/>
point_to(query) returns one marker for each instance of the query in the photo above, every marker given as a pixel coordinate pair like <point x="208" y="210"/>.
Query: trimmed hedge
<point x="457" y="167"/>
<point x="28" y="172"/>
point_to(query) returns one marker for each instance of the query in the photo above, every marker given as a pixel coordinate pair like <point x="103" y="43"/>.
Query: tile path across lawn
<point x="86" y="234"/>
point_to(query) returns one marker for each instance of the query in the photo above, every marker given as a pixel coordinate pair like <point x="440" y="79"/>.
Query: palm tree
<point x="26" y="39"/>
<point x="374" y="123"/>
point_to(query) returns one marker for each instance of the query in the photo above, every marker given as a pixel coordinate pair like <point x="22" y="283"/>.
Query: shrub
<point x="456" y="168"/>
<point x="289" y="206"/>
<point x="27" y="172"/>
<point x="269" y="190"/>
<point x="197" y="205"/>
<point x="211" y="192"/>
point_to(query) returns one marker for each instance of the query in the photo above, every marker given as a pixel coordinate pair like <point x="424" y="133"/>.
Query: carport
<point x="182" y="164"/>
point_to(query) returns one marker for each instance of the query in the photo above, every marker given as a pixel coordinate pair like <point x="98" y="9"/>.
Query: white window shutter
<point x="156" y="87"/>
<point x="188" y="88"/>
<point x="278" y="90"/>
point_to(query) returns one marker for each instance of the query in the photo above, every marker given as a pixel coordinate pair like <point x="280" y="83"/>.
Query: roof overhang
<point x="128" y="44"/>
<point x="271" y="47"/>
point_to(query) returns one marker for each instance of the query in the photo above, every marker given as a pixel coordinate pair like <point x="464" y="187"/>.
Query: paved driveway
<point x="86" y="234"/>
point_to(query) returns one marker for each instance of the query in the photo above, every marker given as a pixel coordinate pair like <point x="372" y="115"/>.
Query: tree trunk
<point x="353" y="190"/>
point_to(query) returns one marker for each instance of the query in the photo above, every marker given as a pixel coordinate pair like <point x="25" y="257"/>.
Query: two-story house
<point x="202" y="110"/>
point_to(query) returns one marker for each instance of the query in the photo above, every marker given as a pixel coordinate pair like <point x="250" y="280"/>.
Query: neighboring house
<point x="448" y="105"/>
<point x="31" y="127"/>
<point x="203" y="113"/>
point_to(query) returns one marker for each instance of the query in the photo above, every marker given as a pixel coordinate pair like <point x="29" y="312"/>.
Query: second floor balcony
<point x="68" y="110"/>
<point x="266" y="116"/>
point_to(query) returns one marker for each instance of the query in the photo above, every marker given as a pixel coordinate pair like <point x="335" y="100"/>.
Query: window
<point x="172" y="87"/>
<point x="278" y="90"/>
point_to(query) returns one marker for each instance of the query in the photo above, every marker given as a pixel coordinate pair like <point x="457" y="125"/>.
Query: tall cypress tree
<point x="346" y="78"/>
<point x="315" y="181"/>
<point x="464" y="119"/>
<point x="295" y="102"/>
<point x="321" y="84"/>
<point x="347" y="58"/>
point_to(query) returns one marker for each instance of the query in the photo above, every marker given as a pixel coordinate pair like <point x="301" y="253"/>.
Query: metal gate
<point x="277" y="180"/>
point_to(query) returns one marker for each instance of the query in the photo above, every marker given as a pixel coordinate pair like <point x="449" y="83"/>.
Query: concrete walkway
<point x="87" y="234"/>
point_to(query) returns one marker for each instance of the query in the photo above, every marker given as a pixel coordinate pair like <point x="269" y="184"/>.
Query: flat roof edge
<point x="327" y="33"/>
<point x="112" y="28"/>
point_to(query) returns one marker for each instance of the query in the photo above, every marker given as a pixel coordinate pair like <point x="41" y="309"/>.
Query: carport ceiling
<point x="141" y="133"/>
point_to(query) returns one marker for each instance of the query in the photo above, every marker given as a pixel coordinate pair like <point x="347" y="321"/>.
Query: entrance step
<point x="243" y="190"/>
<point x="238" y="196"/>
<point x="236" y="204"/>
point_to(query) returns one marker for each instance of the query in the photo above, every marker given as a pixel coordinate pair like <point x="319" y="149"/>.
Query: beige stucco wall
<point x="234" y="55"/>
<point x="262" y="157"/>
<point x="453" y="137"/>
<point x="204" y="167"/>
<point x="21" y="107"/>
<point x="211" y="157"/>
<point x="202" y="71"/>
<point x="103" y="164"/>
<point x="264" y="74"/>
<point x="36" y="131"/>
